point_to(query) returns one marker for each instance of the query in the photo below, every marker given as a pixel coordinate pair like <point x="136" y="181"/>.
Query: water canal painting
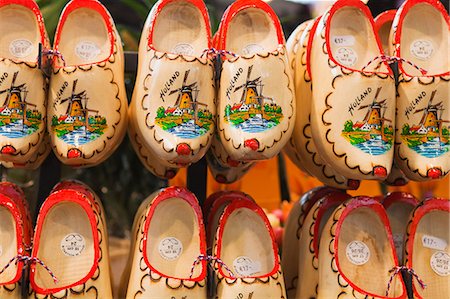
<point x="185" y="119"/>
<point x="254" y="112"/>
<point x="373" y="135"/>
<point x="79" y="125"/>
<point x="18" y="116"/>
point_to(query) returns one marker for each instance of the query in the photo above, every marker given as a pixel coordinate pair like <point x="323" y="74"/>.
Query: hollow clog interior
<point x="434" y="224"/>
<point x="66" y="246"/>
<point x="180" y="29"/>
<point x="383" y="33"/>
<point x="365" y="253"/>
<point x="173" y="240"/>
<point x="8" y="244"/>
<point x="424" y="40"/>
<point x="352" y="40"/>
<point x="398" y="214"/>
<point x="19" y="33"/>
<point x="246" y="245"/>
<point x="251" y="31"/>
<point x="84" y="38"/>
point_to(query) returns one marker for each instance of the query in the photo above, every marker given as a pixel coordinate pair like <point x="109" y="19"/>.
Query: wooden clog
<point x="247" y="262"/>
<point x="224" y="169"/>
<point x="353" y="92"/>
<point x="256" y="107"/>
<point x="302" y="142"/>
<point x="71" y="241"/>
<point x="357" y="253"/>
<point x="396" y="177"/>
<point x="420" y="34"/>
<point x="398" y="206"/>
<point x="427" y="250"/>
<point x="23" y="87"/>
<point x="291" y="236"/>
<point x="309" y="242"/>
<point x="15" y="239"/>
<point x="87" y="108"/>
<point x="383" y="25"/>
<point x="170" y="241"/>
<point x="174" y="93"/>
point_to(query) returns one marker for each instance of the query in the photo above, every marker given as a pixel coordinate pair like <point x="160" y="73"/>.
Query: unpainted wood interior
<point x="18" y="23"/>
<point x="8" y="244"/>
<point x="364" y="225"/>
<point x="180" y="29"/>
<point x="425" y="23"/>
<point x="63" y="219"/>
<point x="435" y="224"/>
<point x="174" y="218"/>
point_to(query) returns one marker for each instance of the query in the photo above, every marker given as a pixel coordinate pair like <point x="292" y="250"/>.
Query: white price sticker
<point x="357" y="253"/>
<point x="344" y="40"/>
<point x="440" y="263"/>
<point x="422" y="49"/>
<point x="433" y="242"/>
<point x="170" y="248"/>
<point x="87" y="50"/>
<point x="73" y="244"/>
<point x="245" y="266"/>
<point x="346" y="56"/>
<point x="20" y="48"/>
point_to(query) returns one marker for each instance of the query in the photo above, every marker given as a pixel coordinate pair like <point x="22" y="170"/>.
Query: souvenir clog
<point x="207" y="204"/>
<point x="383" y="25"/>
<point x="301" y="140"/>
<point x="170" y="249"/>
<point x="174" y="93"/>
<point x="87" y="108"/>
<point x="15" y="239"/>
<point x="309" y="242"/>
<point x="224" y="169"/>
<point x="291" y="236"/>
<point x="396" y="177"/>
<point x="353" y="100"/>
<point x="420" y="35"/>
<point x="146" y="155"/>
<point x="357" y="254"/>
<point x="71" y="241"/>
<point x="23" y="87"/>
<point x="256" y="107"/>
<point x="245" y="246"/>
<point x="426" y="248"/>
<point x="398" y="206"/>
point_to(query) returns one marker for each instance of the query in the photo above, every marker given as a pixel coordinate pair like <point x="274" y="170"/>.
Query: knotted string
<point x="213" y="52"/>
<point x="27" y="260"/>
<point x="209" y="258"/>
<point x="54" y="53"/>
<point x="392" y="59"/>
<point x="396" y="270"/>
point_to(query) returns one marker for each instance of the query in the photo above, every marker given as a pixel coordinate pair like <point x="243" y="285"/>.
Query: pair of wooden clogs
<point x="69" y="255"/>
<point x="169" y="256"/>
<point x="84" y="107"/>
<point x="342" y="77"/>
<point x="353" y="248"/>
<point x="179" y="101"/>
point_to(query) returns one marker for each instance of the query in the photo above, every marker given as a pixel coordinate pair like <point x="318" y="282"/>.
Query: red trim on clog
<point x="208" y="203"/>
<point x="224" y="198"/>
<point x="247" y="204"/>
<point x="330" y="200"/>
<point x="32" y="5"/>
<point x="93" y="5"/>
<point x="433" y="204"/>
<point x="159" y="7"/>
<point x="237" y="7"/>
<point x="55" y="198"/>
<point x="187" y="196"/>
<point x="401" y="14"/>
<point x="383" y="18"/>
<point x="399" y="197"/>
<point x="9" y="204"/>
<point x="374" y="205"/>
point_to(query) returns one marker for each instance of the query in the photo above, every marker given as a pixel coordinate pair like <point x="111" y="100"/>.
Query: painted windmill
<point x="432" y="116"/>
<point x="76" y="108"/>
<point x="187" y="96"/>
<point x="250" y="95"/>
<point x="374" y="116"/>
<point x="14" y="94"/>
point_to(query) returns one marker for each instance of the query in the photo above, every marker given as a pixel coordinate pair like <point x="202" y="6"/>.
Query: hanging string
<point x="213" y="52"/>
<point x="396" y="270"/>
<point x="28" y="260"/>
<point x="209" y="258"/>
<point x="54" y="53"/>
<point x="392" y="59"/>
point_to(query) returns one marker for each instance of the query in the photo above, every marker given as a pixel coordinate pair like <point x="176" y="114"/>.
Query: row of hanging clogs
<point x="335" y="246"/>
<point x="176" y="101"/>
<point x="349" y="118"/>
<point x="170" y="253"/>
